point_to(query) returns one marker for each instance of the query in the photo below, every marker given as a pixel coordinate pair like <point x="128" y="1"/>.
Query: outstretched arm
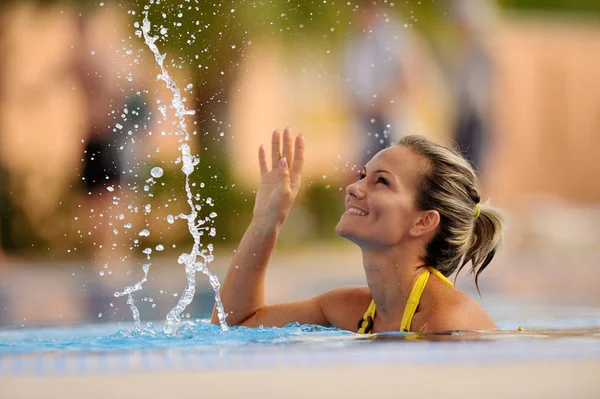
<point x="243" y="289"/>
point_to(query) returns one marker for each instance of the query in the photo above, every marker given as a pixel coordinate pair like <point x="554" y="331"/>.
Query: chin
<point x="345" y="232"/>
<point x="340" y="230"/>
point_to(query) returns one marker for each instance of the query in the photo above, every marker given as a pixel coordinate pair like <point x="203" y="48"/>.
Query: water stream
<point x="201" y="255"/>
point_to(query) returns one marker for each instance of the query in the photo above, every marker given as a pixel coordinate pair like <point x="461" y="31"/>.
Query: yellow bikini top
<point x="365" y="325"/>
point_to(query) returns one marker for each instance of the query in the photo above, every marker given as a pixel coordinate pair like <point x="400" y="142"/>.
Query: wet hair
<point x="449" y="185"/>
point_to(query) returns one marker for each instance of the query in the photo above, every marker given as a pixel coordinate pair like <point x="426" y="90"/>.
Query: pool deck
<point x="516" y="366"/>
<point x="520" y="380"/>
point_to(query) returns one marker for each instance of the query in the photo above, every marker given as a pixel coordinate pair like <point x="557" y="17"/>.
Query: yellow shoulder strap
<point x="439" y="275"/>
<point x="413" y="300"/>
<point x="367" y="321"/>
<point x="415" y="296"/>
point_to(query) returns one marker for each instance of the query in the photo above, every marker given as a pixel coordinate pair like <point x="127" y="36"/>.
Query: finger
<point x="298" y="164"/>
<point x="275" y="148"/>
<point x="284" y="187"/>
<point x="287" y="146"/>
<point x="262" y="160"/>
<point x="283" y="164"/>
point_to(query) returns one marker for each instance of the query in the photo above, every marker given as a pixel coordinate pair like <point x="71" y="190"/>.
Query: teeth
<point x="357" y="211"/>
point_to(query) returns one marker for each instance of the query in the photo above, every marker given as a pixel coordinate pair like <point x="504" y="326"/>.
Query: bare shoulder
<point x="343" y="307"/>
<point x="456" y="311"/>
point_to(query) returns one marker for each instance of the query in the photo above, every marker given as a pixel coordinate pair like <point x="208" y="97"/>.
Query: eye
<point x="383" y="180"/>
<point x="361" y="175"/>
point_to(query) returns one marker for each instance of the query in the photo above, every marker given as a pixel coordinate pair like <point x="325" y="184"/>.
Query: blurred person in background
<point x="101" y="167"/>
<point x="109" y="163"/>
<point x="3" y="214"/>
<point x="375" y="76"/>
<point x="472" y="79"/>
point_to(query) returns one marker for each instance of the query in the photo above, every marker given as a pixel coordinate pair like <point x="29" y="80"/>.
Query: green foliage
<point x="326" y="205"/>
<point x="17" y="230"/>
<point x="580" y="6"/>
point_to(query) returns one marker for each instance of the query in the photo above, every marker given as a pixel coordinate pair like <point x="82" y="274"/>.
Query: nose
<point x="355" y="190"/>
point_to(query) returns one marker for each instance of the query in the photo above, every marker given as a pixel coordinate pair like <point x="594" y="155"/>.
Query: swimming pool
<point x="559" y="354"/>
<point x="110" y="361"/>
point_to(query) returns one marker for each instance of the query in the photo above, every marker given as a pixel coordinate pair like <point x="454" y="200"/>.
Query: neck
<point x="391" y="274"/>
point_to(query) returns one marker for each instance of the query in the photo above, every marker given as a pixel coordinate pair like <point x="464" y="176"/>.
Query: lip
<point x="348" y="211"/>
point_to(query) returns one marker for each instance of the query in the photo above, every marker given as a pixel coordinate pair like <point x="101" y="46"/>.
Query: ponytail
<point x="485" y="238"/>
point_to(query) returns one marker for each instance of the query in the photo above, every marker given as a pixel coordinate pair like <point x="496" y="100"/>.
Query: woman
<point x="415" y="214"/>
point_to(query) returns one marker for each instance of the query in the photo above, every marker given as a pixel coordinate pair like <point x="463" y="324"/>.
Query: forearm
<point x="242" y="291"/>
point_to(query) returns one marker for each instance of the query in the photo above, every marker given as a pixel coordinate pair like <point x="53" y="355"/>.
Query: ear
<point x="427" y="222"/>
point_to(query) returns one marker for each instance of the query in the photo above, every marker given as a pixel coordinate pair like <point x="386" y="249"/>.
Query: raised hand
<point x="279" y="185"/>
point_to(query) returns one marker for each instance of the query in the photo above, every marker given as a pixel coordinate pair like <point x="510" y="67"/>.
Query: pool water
<point x="200" y="335"/>
<point x="200" y="346"/>
<point x="552" y="334"/>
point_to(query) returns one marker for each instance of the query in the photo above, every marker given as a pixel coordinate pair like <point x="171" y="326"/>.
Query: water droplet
<point x="159" y="247"/>
<point x="110" y="188"/>
<point x="93" y="52"/>
<point x="101" y="272"/>
<point x="213" y="215"/>
<point x="144" y="233"/>
<point x="170" y="219"/>
<point x="156" y="172"/>
<point x="127" y="226"/>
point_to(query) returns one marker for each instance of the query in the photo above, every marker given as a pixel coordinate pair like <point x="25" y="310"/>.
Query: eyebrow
<point x="383" y="171"/>
<point x="378" y="171"/>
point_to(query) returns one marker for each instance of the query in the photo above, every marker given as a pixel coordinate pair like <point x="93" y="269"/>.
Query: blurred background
<point x="515" y="84"/>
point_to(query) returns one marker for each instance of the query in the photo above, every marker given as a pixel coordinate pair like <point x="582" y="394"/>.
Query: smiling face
<point x="380" y="206"/>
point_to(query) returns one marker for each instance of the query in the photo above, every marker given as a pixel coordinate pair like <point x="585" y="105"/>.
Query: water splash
<point x="133" y="288"/>
<point x="156" y="172"/>
<point x="198" y="259"/>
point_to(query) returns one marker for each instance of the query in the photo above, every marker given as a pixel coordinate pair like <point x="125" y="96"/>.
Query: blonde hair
<point x="468" y="231"/>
